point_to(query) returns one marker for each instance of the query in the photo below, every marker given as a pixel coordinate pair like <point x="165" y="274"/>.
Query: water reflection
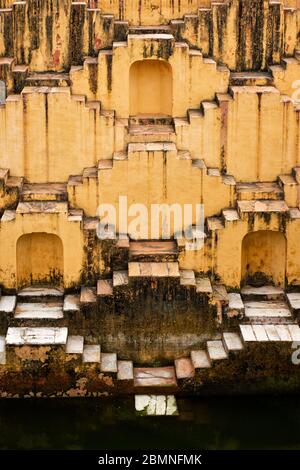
<point x="216" y="423"/>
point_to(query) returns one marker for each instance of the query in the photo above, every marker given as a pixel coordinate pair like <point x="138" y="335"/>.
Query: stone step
<point x="293" y="299"/>
<point x="108" y="363"/>
<point x="262" y="293"/>
<point x="214" y="224"/>
<point x="44" y="192"/>
<point x="41" y="207"/>
<point x="152" y="270"/>
<point x="71" y="304"/>
<point x="216" y="350"/>
<point x="160" y="250"/>
<point x="187" y="278"/>
<point x="259" y="206"/>
<point x="165" y="29"/>
<point x="105" y="288"/>
<point x="235" y="305"/>
<point x="203" y="285"/>
<point x="156" y="405"/>
<point x="184" y="368"/>
<point x="88" y="295"/>
<point x="250" y="79"/>
<point x="19" y="336"/>
<point x="39" y="311"/>
<point x="8" y="304"/>
<point x="200" y="359"/>
<point x="75" y="345"/>
<point x="40" y="294"/>
<point x="91" y="353"/>
<point x="270" y="332"/>
<point x="154" y="377"/>
<point x="151" y="120"/>
<point x="120" y="278"/>
<point x="230" y="215"/>
<point x="151" y="133"/>
<point x="258" y="190"/>
<point x="232" y="342"/>
<point x="49" y="79"/>
<point x="2" y="350"/>
<point x="220" y="293"/>
<point x="267" y="311"/>
<point x="125" y="370"/>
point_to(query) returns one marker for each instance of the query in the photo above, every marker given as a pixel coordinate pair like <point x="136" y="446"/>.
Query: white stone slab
<point x="232" y="342"/>
<point x="8" y="303"/>
<point x="36" y="336"/>
<point x="2" y="350"/>
<point x="235" y="301"/>
<point x="120" y="278"/>
<point x="40" y="292"/>
<point x="109" y="362"/>
<point x="294" y="332"/>
<point x="264" y="290"/>
<point x="125" y="370"/>
<point x="38" y="311"/>
<point x="216" y="350"/>
<point x="91" y="353"/>
<point x="272" y="333"/>
<point x="247" y="333"/>
<point x="283" y="333"/>
<point x="269" y="309"/>
<point x="156" y="405"/>
<point x="203" y="285"/>
<point x="71" y="303"/>
<point x="74" y="345"/>
<point x="260" y="333"/>
<point x="294" y="300"/>
<point x="200" y="359"/>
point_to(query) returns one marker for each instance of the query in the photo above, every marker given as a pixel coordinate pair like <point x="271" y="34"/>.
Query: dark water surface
<point x="106" y="424"/>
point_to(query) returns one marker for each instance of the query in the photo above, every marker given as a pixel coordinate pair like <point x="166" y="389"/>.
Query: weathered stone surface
<point x="8" y="303"/>
<point x="154" y="377"/>
<point x="267" y="309"/>
<point x="232" y="342"/>
<point x="109" y="362"/>
<point x="40" y="292"/>
<point x="216" y="350"/>
<point x="294" y="300"/>
<point x="36" y="336"/>
<point x="125" y="370"/>
<point x="87" y="295"/>
<point x="203" y="285"/>
<point x="39" y="310"/>
<point x="71" y="303"/>
<point x="120" y="278"/>
<point x="200" y="359"/>
<point x="187" y="277"/>
<point x="263" y="206"/>
<point x="74" y="345"/>
<point x="91" y="353"/>
<point x="104" y="287"/>
<point x="167" y="269"/>
<point x="2" y="350"/>
<point x="156" y="405"/>
<point x="247" y="333"/>
<point x="184" y="368"/>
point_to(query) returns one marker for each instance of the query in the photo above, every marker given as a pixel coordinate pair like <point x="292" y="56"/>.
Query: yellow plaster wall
<point x="69" y="232"/>
<point x="39" y="259"/>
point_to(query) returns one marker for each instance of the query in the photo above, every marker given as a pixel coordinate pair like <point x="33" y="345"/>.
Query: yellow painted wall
<point x="264" y="258"/>
<point x="151" y="87"/>
<point x="39" y="259"/>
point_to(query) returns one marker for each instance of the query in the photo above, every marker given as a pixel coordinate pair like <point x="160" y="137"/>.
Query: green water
<point x="218" y="423"/>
